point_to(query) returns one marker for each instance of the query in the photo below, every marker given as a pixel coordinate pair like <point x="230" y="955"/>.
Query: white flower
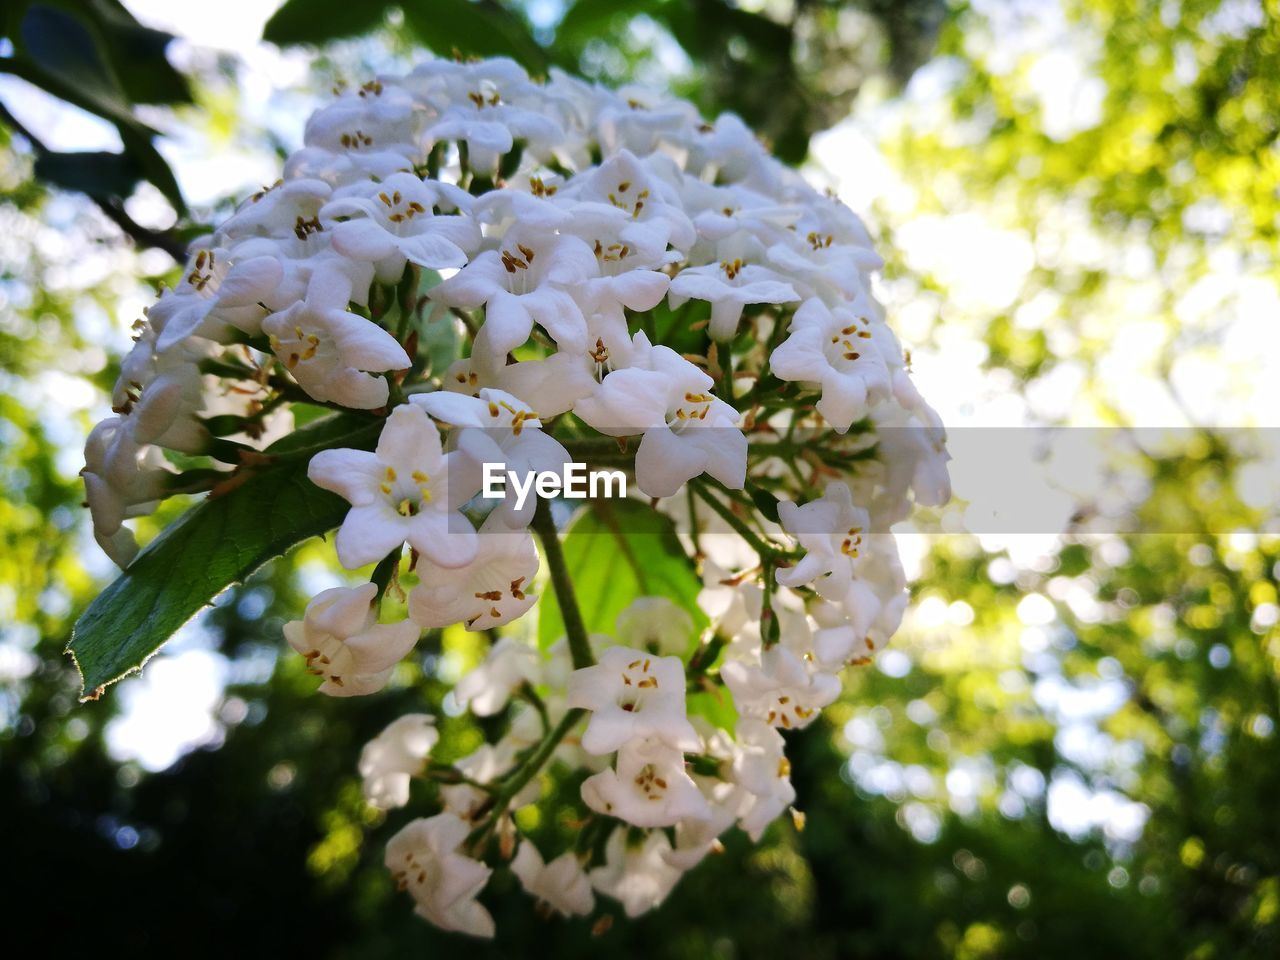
<point x="763" y="772"/>
<point x="561" y="885"/>
<point x="814" y="261"/>
<point x="498" y="427"/>
<point x="288" y="209"/>
<point x="525" y="281"/>
<point x="656" y="624"/>
<point x="216" y="293"/>
<point x="486" y="106"/>
<point x="686" y="430"/>
<point x="837" y="349"/>
<point x="913" y="450"/>
<point x="781" y="690"/>
<point x="696" y="837"/>
<point x="527" y="200"/>
<point x="640" y="119"/>
<point x="486" y="689"/>
<point x="332" y="353"/>
<point x="727" y="151"/>
<point x="651" y="215"/>
<point x="632" y="694"/>
<point x="649" y="788"/>
<point x="377" y="117"/>
<point x="720" y="211"/>
<point x="558" y="381"/>
<point x="728" y="286"/>
<point x="870" y="612"/>
<point x="391" y="759"/>
<point x="343" y="643"/>
<point x="496" y="587"/>
<point x="408" y="489"/>
<point x="485" y="764"/>
<point x="423" y="858"/>
<point x="831" y="531"/>
<point x="637" y="876"/>
<point x="123" y="478"/>
<point x="391" y="222"/>
<point x="733" y="603"/>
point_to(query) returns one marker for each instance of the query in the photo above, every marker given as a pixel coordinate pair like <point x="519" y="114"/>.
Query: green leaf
<point x="715" y="706"/>
<point x="315" y="21"/>
<point x="482" y="28"/>
<point x="99" y="174"/>
<point x="137" y="143"/>
<point x="63" y="48"/>
<point x="617" y="551"/>
<point x="62" y="52"/>
<point x="765" y="501"/>
<point x="588" y="20"/>
<point x="137" y="53"/>
<point x="212" y="546"/>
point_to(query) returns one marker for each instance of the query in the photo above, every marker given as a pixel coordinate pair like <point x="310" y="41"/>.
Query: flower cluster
<point x="492" y="269"/>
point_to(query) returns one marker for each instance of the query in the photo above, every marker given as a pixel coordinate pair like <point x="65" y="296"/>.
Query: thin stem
<point x="726" y="391"/>
<point x="446" y="773"/>
<point x="764" y="549"/>
<point x="523" y="774"/>
<point x="693" y="522"/>
<point x="526" y="692"/>
<point x="579" y="650"/>
<point x="544" y="526"/>
<point x="606" y="447"/>
<point x="111" y="206"/>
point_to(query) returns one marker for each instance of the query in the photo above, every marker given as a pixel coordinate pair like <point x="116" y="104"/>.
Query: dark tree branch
<point x="111" y="206"/>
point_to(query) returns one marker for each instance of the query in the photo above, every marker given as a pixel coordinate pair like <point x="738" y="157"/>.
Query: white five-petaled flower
<point x="831" y="531"/>
<point x="484" y="765"/>
<point x="781" y="689"/>
<point x="837" y="349"/>
<point x="215" y="294"/>
<point x="649" y="788"/>
<point x="728" y="286"/>
<point x="656" y="624"/>
<point x="498" y="427"/>
<point x="652" y="215"/>
<point x="561" y="885"/>
<point x="379" y="117"/>
<point x="525" y="281"/>
<point x="393" y="221"/>
<point x="632" y="694"/>
<point x="486" y="689"/>
<point x="486" y="106"/>
<point x="762" y="771"/>
<point x="407" y="489"/>
<point x="391" y="759"/>
<point x="331" y="352"/>
<point x="686" y="430"/>
<point x="496" y="587"/>
<point x="639" y="876"/>
<point x="424" y="860"/>
<point x="343" y="643"/>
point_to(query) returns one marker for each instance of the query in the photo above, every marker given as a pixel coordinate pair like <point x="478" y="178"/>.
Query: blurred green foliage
<point x="926" y="788"/>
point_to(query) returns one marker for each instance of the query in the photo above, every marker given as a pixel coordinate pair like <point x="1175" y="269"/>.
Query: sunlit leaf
<point x="617" y="551"/>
